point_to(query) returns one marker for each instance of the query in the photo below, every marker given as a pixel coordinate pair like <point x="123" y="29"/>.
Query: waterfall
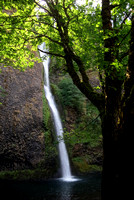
<point x="64" y="160"/>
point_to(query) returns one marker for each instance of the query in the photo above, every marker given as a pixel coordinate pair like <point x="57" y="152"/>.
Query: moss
<point x="27" y="174"/>
<point x="81" y="164"/>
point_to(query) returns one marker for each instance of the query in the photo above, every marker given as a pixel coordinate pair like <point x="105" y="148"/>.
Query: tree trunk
<point x="126" y="138"/>
<point x="111" y="148"/>
<point x="117" y="151"/>
<point x="117" y="129"/>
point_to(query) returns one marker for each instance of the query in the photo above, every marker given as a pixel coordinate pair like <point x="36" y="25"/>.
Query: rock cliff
<point x="21" y="118"/>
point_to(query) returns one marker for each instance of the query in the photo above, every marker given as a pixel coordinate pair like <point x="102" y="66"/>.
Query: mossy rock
<point x="82" y="166"/>
<point x="28" y="174"/>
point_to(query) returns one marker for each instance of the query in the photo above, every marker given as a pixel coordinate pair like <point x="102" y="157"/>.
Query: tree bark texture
<point x="117" y="122"/>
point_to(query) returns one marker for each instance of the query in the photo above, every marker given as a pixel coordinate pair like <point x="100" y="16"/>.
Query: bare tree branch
<point x="56" y="1"/>
<point x="50" y="25"/>
<point x="65" y="10"/>
<point x="123" y="56"/>
<point x="51" y="39"/>
<point x="51" y="53"/>
<point x="125" y="37"/>
<point x="127" y="15"/>
<point x="43" y="8"/>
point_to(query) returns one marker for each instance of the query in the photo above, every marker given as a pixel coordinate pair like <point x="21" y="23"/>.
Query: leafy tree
<point x="84" y="37"/>
<point x="15" y="30"/>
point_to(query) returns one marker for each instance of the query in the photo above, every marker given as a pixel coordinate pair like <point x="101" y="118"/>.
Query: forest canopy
<point x="26" y="24"/>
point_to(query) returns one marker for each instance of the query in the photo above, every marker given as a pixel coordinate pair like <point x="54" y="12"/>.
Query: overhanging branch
<point x="84" y="86"/>
<point x="46" y="36"/>
<point x="127" y="16"/>
<point x="123" y="55"/>
<point x="124" y="37"/>
<point x="51" y="53"/>
<point x="40" y="6"/>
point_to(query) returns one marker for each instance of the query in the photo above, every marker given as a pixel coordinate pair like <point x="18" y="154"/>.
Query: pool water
<point x="84" y="188"/>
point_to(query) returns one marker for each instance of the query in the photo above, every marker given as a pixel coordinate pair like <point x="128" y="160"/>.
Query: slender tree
<point x="84" y="36"/>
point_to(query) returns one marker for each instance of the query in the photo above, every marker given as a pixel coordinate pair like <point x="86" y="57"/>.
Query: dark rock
<point x="21" y="118"/>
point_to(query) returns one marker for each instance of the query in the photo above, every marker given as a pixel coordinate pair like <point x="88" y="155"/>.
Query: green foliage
<point x="15" y="32"/>
<point x="82" y="164"/>
<point x="86" y="132"/>
<point x="87" y="128"/>
<point x="2" y="92"/>
<point x="121" y="12"/>
<point x="21" y="31"/>
<point x="70" y="96"/>
<point x="27" y="174"/>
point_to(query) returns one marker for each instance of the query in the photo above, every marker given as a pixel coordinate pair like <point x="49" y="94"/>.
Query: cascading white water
<point x="64" y="160"/>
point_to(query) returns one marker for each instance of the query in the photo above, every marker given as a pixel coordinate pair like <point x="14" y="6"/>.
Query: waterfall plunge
<point x="64" y="160"/>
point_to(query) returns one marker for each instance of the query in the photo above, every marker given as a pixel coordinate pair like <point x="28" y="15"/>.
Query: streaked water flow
<point x="64" y="160"/>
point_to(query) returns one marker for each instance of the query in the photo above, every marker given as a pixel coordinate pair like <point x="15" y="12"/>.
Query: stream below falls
<point x="86" y="188"/>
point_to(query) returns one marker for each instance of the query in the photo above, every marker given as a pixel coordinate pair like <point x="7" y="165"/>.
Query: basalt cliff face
<point x="21" y="118"/>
